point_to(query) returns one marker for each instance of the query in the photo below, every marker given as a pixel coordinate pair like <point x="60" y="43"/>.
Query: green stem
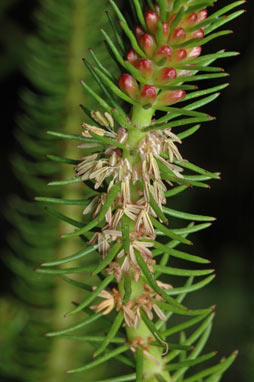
<point x="141" y="117"/>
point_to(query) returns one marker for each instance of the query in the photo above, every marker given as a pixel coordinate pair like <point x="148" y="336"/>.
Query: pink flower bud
<point x="179" y="54"/>
<point x="148" y="94"/>
<point x="165" y="51"/>
<point x="202" y="15"/>
<point x="166" y="74"/>
<point x="148" y="44"/>
<point x="151" y="21"/>
<point x="170" y="97"/>
<point x="139" y="31"/>
<point x="179" y="33"/>
<point x="198" y="34"/>
<point x="129" y="85"/>
<point x="194" y="52"/>
<point x="132" y="57"/>
<point x="145" y="67"/>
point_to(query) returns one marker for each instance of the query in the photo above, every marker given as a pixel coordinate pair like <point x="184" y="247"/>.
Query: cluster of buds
<point x="161" y="44"/>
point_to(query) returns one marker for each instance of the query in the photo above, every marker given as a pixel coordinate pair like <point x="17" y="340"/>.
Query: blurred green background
<point x="224" y="145"/>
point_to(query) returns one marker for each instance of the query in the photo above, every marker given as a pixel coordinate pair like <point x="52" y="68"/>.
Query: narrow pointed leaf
<point x="214" y="369"/>
<point x="78" y="284"/>
<point x="62" y="201"/>
<point x="100" y="360"/>
<point x="168" y="232"/>
<point x="126" y="233"/>
<point x="184" y="325"/>
<point x="189" y="363"/>
<point x="152" y="282"/>
<point x="192" y="288"/>
<point x="139" y="365"/>
<point x="186" y="216"/>
<point x="111" y="334"/>
<point x="175" y="190"/>
<point x="63" y="160"/>
<point x="110" y="257"/>
<point x="83" y="252"/>
<point x="179" y="254"/>
<point x="81" y="324"/>
<point x="157" y="209"/>
<point x="92" y="296"/>
<point x="127" y="288"/>
<point x="109" y="201"/>
<point x="66" y="271"/>
<point x="188" y="132"/>
<point x="182" y="272"/>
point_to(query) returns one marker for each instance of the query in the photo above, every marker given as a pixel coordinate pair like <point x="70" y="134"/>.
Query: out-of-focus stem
<point x="60" y="358"/>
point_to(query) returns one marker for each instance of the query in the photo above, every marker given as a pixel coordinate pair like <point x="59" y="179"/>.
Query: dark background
<point x="224" y="145"/>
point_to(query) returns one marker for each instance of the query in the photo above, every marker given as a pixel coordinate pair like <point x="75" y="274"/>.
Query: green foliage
<point x="133" y="163"/>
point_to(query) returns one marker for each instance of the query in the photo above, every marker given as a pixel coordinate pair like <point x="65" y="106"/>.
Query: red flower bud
<point x="166" y="74"/>
<point x="151" y="21"/>
<point x="132" y="57"/>
<point x="165" y="51"/>
<point x="139" y="31"/>
<point x="191" y="19"/>
<point x="172" y="18"/>
<point x="129" y="85"/>
<point x="179" y="33"/>
<point x="148" y="94"/>
<point x="165" y="31"/>
<point x="194" y="52"/>
<point x="202" y="15"/>
<point x="198" y="34"/>
<point x="148" y="44"/>
<point x="145" y="67"/>
<point x="169" y="97"/>
<point x="179" y="54"/>
<point x="157" y="9"/>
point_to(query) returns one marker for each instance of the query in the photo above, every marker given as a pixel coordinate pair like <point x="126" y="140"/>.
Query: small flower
<point x="104" y="120"/>
<point x="93" y="129"/>
<point x="108" y="303"/>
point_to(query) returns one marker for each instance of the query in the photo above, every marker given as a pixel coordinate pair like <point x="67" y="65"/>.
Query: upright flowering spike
<point x="129" y="85"/>
<point x="134" y="163"/>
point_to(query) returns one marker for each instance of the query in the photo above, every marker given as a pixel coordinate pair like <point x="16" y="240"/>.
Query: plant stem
<point x="61" y="357"/>
<point x="142" y="118"/>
